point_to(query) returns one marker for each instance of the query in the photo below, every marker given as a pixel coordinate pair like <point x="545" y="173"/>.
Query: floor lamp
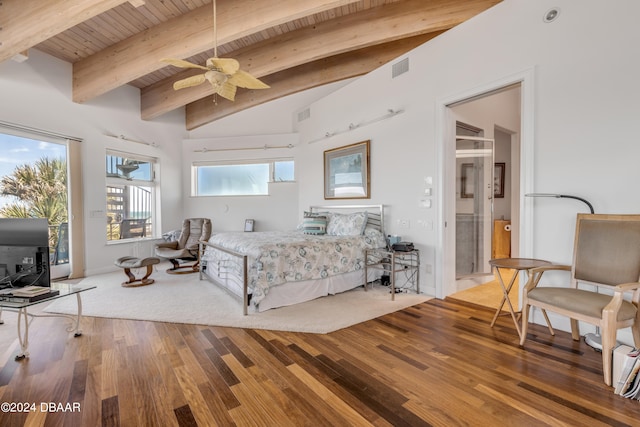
<point x="592" y="340"/>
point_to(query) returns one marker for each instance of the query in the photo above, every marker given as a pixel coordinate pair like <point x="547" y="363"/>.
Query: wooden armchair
<point x="607" y="256"/>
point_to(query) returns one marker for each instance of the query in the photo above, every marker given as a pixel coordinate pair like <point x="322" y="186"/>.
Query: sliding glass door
<point x="474" y="201"/>
<point x="33" y="184"/>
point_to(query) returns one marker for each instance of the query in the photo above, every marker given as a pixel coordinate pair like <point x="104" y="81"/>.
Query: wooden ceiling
<point x="292" y="45"/>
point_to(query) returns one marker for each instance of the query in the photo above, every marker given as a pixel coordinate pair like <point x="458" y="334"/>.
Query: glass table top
<point x="64" y="289"/>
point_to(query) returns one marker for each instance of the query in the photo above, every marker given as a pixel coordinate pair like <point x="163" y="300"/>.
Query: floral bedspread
<point x="277" y="257"/>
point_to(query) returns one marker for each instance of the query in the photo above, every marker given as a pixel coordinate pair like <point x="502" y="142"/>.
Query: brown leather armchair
<point x="607" y="258"/>
<point x="186" y="247"/>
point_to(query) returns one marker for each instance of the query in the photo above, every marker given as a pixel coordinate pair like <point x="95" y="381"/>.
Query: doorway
<point x="487" y="126"/>
<point x="486" y="132"/>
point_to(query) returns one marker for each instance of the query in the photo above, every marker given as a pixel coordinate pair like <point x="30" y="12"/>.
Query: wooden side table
<point x="518" y="264"/>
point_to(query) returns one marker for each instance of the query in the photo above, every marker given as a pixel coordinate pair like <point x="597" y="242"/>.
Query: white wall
<point x="270" y="124"/>
<point x="37" y="93"/>
<point x="276" y="211"/>
<point x="585" y="90"/>
<point x="271" y="118"/>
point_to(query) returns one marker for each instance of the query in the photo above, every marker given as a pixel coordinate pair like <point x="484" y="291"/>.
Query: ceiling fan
<point x="224" y="74"/>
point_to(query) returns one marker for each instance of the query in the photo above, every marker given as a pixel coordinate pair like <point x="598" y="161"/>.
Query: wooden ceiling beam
<point x="182" y="37"/>
<point x="356" y="31"/>
<point x="29" y="22"/>
<point x="303" y="77"/>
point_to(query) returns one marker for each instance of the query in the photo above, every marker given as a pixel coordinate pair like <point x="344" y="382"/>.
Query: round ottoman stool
<point x="129" y="262"/>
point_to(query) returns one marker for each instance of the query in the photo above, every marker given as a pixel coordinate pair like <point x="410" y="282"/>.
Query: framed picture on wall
<point x="346" y="172"/>
<point x="498" y="181"/>
<point x="248" y="225"/>
<point x="466" y="181"/>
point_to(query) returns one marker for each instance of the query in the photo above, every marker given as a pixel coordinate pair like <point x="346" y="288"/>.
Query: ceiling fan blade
<point x="228" y="91"/>
<point x="183" y="64"/>
<point x="189" y="81"/>
<point x="246" y="80"/>
<point x="224" y="65"/>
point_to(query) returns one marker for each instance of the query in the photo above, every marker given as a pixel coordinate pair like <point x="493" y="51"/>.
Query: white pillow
<point x="346" y="224"/>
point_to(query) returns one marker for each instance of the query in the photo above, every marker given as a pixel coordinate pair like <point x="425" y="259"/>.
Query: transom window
<point x="239" y="178"/>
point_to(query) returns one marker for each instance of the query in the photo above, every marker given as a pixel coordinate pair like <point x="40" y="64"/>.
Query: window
<point x="130" y="196"/>
<point x="33" y="184"/>
<point x="283" y="171"/>
<point x="241" y="178"/>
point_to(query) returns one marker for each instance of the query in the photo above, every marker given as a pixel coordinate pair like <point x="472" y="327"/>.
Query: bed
<point x="278" y="268"/>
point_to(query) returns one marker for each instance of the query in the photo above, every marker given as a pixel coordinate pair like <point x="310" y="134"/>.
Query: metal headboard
<point x="375" y="213"/>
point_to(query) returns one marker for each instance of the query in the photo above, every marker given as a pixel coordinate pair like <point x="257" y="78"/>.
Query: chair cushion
<point x="174" y="253"/>
<point x="194" y="230"/>
<point x="133" y="262"/>
<point x="580" y="301"/>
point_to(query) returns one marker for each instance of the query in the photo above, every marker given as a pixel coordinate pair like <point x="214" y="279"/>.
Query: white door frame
<point x="444" y="271"/>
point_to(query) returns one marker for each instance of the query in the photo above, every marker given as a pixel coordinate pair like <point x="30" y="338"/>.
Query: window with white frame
<point x="131" y="191"/>
<point x="240" y="178"/>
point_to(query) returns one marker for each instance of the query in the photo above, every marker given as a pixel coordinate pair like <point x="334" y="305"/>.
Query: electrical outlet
<point x="425" y="223"/>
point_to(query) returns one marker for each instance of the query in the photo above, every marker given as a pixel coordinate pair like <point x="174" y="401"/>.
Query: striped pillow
<point x="316" y="225"/>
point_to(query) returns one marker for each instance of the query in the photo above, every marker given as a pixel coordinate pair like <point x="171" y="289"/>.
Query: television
<point x="24" y="252"/>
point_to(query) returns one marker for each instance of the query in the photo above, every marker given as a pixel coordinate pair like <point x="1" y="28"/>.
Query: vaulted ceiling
<point x="292" y="45"/>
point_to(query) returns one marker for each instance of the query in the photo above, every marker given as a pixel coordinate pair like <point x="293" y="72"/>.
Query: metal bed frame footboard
<point x="242" y="260"/>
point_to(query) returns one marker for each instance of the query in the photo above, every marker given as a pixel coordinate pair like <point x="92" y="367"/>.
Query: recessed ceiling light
<point x="551" y="15"/>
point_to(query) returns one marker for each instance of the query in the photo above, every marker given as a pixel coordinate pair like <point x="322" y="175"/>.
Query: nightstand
<point x="392" y="263"/>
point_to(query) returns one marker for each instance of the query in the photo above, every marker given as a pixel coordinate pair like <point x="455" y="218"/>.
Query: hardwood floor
<point x="438" y="363"/>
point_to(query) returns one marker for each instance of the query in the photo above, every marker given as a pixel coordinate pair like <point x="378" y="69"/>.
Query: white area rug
<point x="186" y="299"/>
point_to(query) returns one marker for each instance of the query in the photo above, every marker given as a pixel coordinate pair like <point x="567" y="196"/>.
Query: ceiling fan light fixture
<point x="224" y="74"/>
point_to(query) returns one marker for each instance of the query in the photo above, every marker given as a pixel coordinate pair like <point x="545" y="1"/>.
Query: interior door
<point x="474" y="201"/>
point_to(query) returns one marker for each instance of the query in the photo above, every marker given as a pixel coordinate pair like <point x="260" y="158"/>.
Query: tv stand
<point x="24" y="316"/>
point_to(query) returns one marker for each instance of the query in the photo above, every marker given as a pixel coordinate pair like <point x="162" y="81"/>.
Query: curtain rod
<point x="37" y="131"/>
<point x="123" y="138"/>
<point x="265" y="147"/>
<point x="352" y="126"/>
